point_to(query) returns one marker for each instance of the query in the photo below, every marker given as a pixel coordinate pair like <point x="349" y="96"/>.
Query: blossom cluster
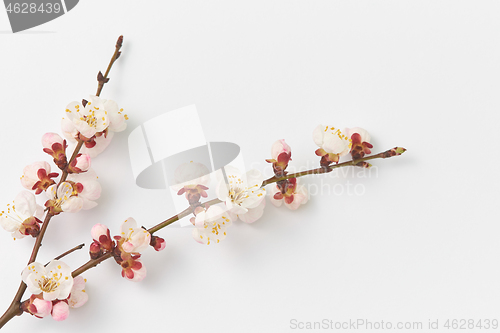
<point x="126" y="248"/>
<point x="54" y="290"/>
<point x="91" y="126"/>
<point x="242" y="195"/>
<point x="78" y="187"/>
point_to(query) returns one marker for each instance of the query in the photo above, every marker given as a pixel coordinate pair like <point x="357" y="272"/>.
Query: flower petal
<point x="253" y="214"/>
<point x="32" y="268"/>
<point x="318" y="135"/>
<point x="43" y="308"/>
<point x="72" y="205"/>
<point x="77" y="299"/>
<point x="222" y="190"/>
<point x="60" y="311"/>
<point x="9" y="224"/>
<point x="128" y="226"/>
<point x="25" y="203"/>
<point x="254" y="178"/>
<point x="69" y="130"/>
<point x="101" y="143"/>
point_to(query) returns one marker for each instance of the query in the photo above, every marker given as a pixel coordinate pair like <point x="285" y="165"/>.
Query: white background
<point x="419" y="242"/>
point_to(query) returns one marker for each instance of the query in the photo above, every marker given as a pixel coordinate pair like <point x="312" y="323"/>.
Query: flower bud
<point x="360" y="142"/>
<point x="193" y="193"/>
<point x="396" y="151"/>
<point x="95" y="250"/>
<point x="100" y="234"/>
<point x="133" y="270"/>
<point x="279" y="147"/>
<point x="37" y="306"/>
<point x="30" y="226"/>
<point x="60" y="310"/>
<point x="290" y="192"/>
<point x="42" y="307"/>
<point x="157" y="243"/>
<point x="80" y="164"/>
<point x="281" y="154"/>
<point x="55" y="146"/>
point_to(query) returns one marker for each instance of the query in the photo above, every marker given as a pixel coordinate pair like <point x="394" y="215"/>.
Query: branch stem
<point x="115" y="56"/>
<point x="94" y="262"/>
<point x="326" y="169"/>
<point x="14" y="308"/>
<point x="78" y="247"/>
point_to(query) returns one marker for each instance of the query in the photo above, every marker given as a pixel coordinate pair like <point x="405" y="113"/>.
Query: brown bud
<point x="157" y="243"/>
<point x="95" y="250"/>
<point x="396" y="151"/>
<point x="364" y="165"/>
<point x="119" y="42"/>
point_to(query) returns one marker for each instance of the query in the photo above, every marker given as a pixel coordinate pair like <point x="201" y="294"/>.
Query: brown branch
<point x="389" y="153"/>
<point x="65" y="170"/>
<point x="386" y="154"/>
<point x="78" y="247"/>
<point x="14" y="308"/>
<point x="104" y="79"/>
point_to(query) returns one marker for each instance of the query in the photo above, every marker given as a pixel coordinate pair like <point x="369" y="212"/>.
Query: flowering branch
<point x="55" y="288"/>
<point x="15" y="307"/>
<point x="386" y="154"/>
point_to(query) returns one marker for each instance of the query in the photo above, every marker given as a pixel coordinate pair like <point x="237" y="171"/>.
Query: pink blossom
<point x="49" y="139"/>
<point x="41" y="308"/>
<point x="278" y="148"/>
<point x="333" y="144"/>
<point x="291" y="193"/>
<point x="360" y="142"/>
<point x="80" y="164"/>
<point x="54" y="281"/>
<point x="134" y="239"/>
<point x="78" y="296"/>
<point x="23" y="217"/>
<point x="134" y="271"/>
<point x="94" y="123"/>
<point x="63" y="199"/>
<point x="60" y="311"/>
<point x="242" y="194"/>
<point x="100" y="144"/>
<point x="37" y="176"/>
<point x="100" y="234"/>
<point x="281" y="155"/>
<point x="55" y="146"/>
<point x="211" y="225"/>
<point x="87" y="187"/>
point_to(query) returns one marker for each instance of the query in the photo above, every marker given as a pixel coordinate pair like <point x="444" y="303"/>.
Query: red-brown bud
<point x="157" y="243"/>
<point x="95" y="250"/>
